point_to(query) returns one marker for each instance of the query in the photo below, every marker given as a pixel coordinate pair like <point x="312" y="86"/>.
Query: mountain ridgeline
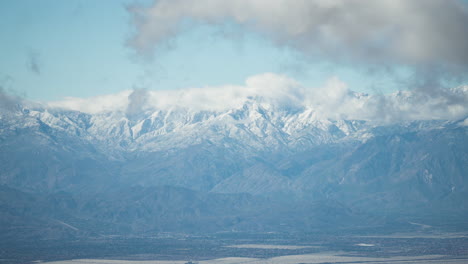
<point x="253" y="168"/>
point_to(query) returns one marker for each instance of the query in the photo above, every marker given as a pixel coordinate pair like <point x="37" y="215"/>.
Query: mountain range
<point x="259" y="165"/>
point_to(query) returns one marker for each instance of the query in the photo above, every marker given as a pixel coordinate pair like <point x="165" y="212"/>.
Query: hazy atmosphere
<point x="241" y="131"/>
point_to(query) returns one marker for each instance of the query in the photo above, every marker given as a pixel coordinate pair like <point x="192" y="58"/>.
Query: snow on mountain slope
<point x="251" y="125"/>
<point x="270" y="112"/>
<point x="313" y="155"/>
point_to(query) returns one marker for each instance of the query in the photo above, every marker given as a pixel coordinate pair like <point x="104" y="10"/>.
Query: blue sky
<point x="78" y="48"/>
<point x="52" y="49"/>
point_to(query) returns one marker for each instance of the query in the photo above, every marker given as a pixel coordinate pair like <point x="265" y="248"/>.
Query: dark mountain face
<point x="397" y="171"/>
<point x="69" y="174"/>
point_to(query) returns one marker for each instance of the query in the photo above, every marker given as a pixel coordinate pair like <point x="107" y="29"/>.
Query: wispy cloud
<point x="8" y="102"/>
<point x="137" y="100"/>
<point x="33" y="62"/>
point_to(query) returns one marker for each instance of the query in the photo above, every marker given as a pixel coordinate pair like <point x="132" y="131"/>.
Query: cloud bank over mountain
<point x="427" y="40"/>
<point x="333" y="100"/>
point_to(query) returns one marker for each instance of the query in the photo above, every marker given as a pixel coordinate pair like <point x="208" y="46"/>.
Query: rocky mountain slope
<point x="254" y="167"/>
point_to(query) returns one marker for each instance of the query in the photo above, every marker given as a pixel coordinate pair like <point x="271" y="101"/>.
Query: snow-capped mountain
<point x="254" y="122"/>
<point x="196" y="160"/>
<point x="251" y="124"/>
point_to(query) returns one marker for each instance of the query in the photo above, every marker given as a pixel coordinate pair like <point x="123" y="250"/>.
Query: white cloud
<point x="96" y="104"/>
<point x="464" y="122"/>
<point x="274" y="89"/>
<point x="279" y="93"/>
